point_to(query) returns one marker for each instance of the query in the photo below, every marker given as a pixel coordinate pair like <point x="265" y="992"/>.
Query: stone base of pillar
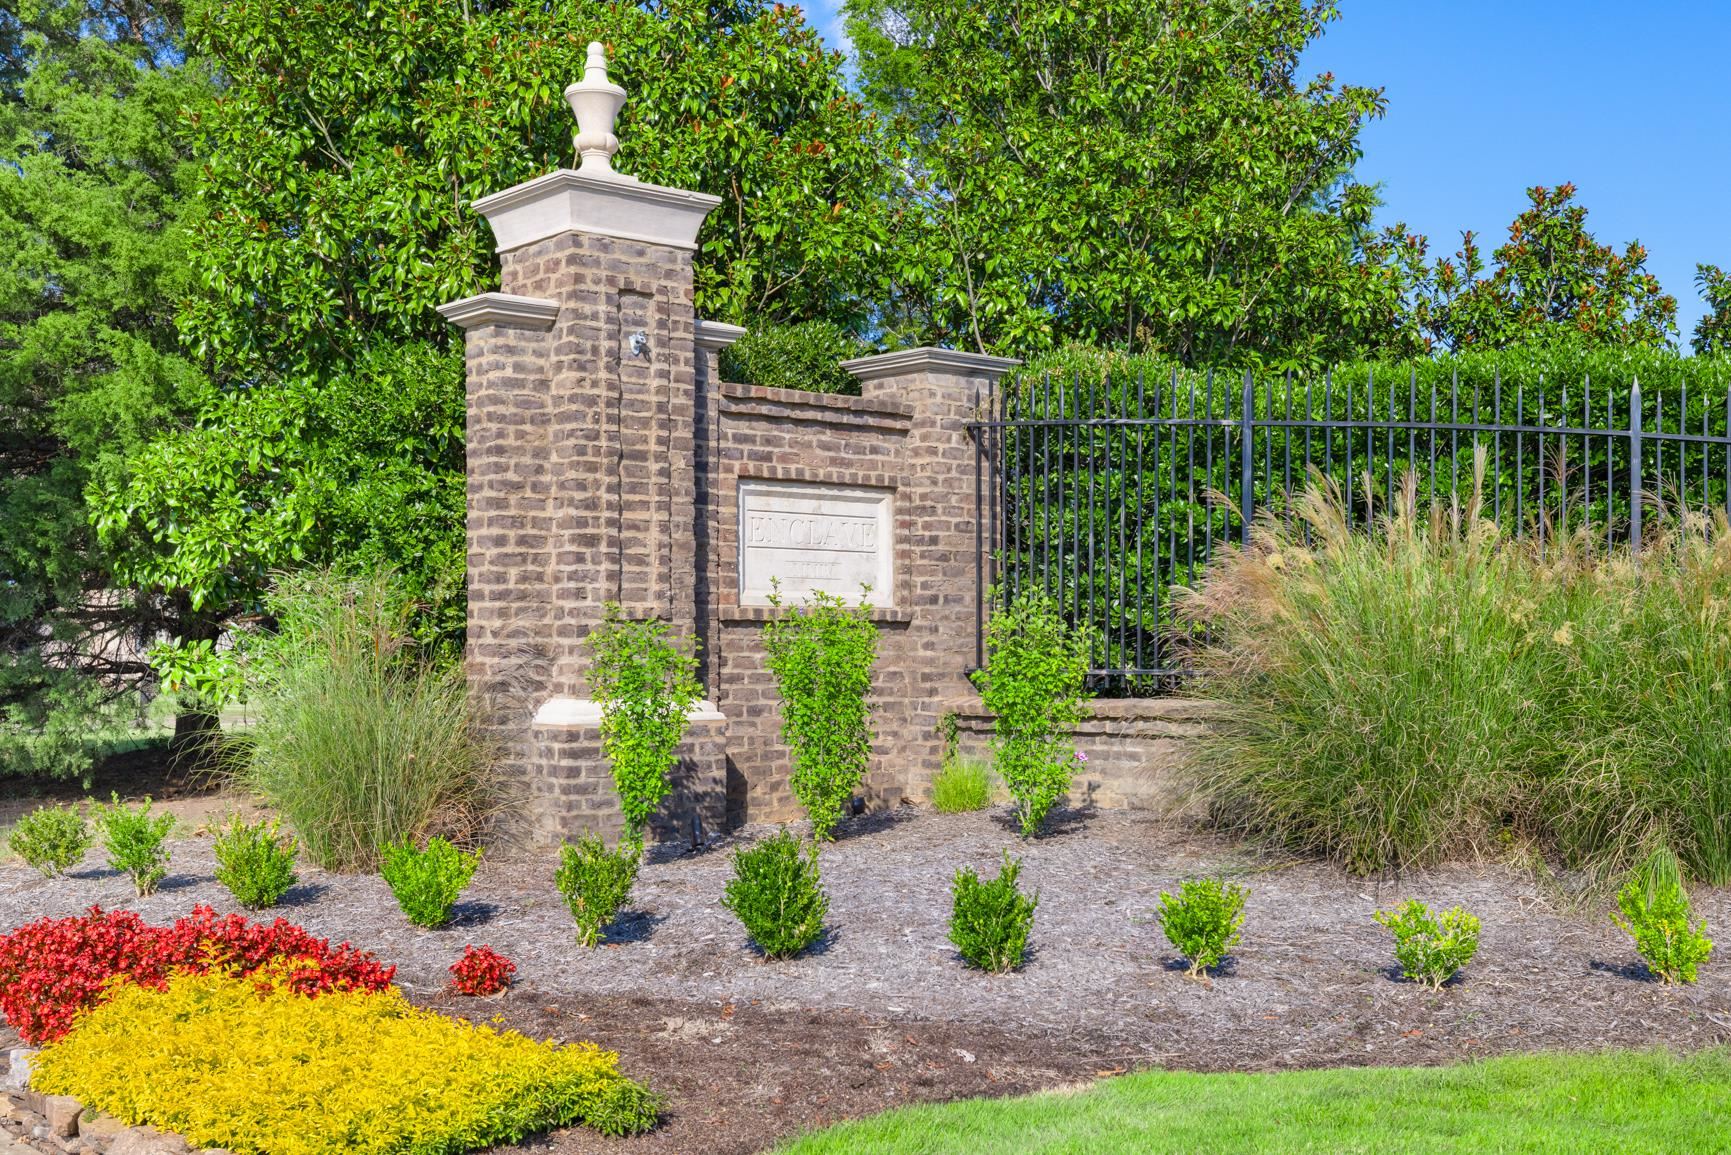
<point x="573" y="784"/>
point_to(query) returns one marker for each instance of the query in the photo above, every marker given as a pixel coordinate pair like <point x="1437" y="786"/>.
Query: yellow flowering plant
<point x="248" y="1065"/>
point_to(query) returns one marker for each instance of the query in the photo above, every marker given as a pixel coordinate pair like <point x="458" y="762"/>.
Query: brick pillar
<point x="582" y="466"/>
<point x="935" y="526"/>
<point x="713" y="571"/>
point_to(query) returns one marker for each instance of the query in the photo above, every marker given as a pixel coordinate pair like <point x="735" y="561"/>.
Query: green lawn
<point x="1628" y="1102"/>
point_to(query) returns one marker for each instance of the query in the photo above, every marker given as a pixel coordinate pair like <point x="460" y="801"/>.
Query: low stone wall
<point x="1137" y="749"/>
<point x="34" y="1124"/>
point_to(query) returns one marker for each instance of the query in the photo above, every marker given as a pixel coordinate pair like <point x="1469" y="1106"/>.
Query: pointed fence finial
<point x="596" y="102"/>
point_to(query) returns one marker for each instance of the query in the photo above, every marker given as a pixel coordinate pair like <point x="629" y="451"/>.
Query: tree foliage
<point x="1713" y="332"/>
<point x="351" y="139"/>
<point x="1146" y="175"/>
<point x="96" y="219"/>
<point x="341" y="161"/>
<point x="362" y="470"/>
<point x="1554" y="282"/>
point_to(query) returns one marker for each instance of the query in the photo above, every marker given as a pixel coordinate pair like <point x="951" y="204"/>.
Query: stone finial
<point x="596" y="102"/>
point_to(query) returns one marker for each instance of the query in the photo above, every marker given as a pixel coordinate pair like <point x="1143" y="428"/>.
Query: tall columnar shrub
<point x="822" y="656"/>
<point x="1035" y="685"/>
<point x="646" y="687"/>
<point x="360" y="737"/>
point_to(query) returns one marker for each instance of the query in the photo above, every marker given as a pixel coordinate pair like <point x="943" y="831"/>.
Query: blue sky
<point x="1628" y="100"/>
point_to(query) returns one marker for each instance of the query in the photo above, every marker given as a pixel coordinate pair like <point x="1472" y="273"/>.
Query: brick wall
<point x="1137" y="749"/>
<point x="605" y="464"/>
<point x="905" y="435"/>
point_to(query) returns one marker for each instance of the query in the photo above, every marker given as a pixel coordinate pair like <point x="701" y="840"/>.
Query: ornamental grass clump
<point x="1431" y="949"/>
<point x="1656" y="913"/>
<point x="361" y="737"/>
<point x="255" y="861"/>
<point x="134" y="841"/>
<point x="226" y="1064"/>
<point x="1035" y="685"/>
<point x="1203" y="920"/>
<point x="822" y="655"/>
<point x="428" y="882"/>
<point x="596" y="882"/>
<point x="777" y="895"/>
<point x="646" y="686"/>
<point x="1434" y="688"/>
<point x="990" y="921"/>
<point x="51" y="839"/>
<point x="961" y="785"/>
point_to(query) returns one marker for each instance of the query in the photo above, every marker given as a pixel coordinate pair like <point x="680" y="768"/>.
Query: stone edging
<point x="35" y="1124"/>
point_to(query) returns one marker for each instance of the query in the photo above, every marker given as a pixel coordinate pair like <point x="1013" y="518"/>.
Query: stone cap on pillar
<point x="717" y="335"/>
<point x="500" y="309"/>
<point x="929" y="359"/>
<point x="593" y="198"/>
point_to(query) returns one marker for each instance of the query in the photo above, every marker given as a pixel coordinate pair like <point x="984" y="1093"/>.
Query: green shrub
<point x="52" y="839"/>
<point x="1202" y="922"/>
<point x="1656" y="914"/>
<point x="777" y="894"/>
<point x="1431" y="689"/>
<point x="1035" y="684"/>
<point x="1431" y="950"/>
<point x="822" y="656"/>
<point x="990" y="921"/>
<point x="807" y="356"/>
<point x="962" y="784"/>
<point x="646" y="688"/>
<point x="428" y="882"/>
<point x="134" y="839"/>
<point x="360" y="737"/>
<point x="256" y="862"/>
<point x="596" y="882"/>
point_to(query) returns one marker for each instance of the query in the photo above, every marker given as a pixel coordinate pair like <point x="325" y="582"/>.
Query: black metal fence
<point x="1112" y="493"/>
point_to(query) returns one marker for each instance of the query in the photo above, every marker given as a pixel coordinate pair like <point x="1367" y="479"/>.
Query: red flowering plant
<point x="482" y="971"/>
<point x="51" y="970"/>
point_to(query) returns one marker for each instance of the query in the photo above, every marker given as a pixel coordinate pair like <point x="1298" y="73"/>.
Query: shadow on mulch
<point x="820" y="947"/>
<point x="1177" y="964"/>
<point x="92" y="874"/>
<point x="1636" y="972"/>
<point x="874" y="822"/>
<point x="302" y="894"/>
<point x="633" y="926"/>
<point x="1393" y="974"/>
<point x="471" y="914"/>
<point x="1060" y="823"/>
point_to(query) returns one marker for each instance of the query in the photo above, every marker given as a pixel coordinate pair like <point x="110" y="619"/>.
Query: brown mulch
<point x="807" y="1041"/>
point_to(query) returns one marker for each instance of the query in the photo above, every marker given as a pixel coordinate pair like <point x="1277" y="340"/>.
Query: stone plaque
<point x="814" y="537"/>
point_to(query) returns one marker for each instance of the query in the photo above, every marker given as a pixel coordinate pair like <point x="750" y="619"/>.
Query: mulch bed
<point x="882" y="1012"/>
